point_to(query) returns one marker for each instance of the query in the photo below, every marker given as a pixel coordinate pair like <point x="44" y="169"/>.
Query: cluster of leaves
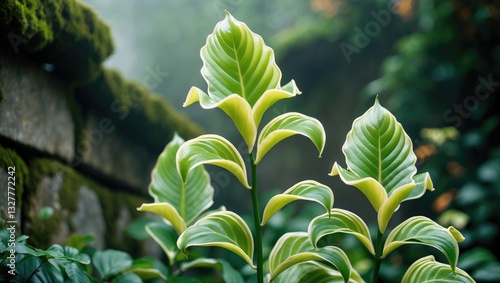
<point x="244" y="81"/>
<point x="77" y="261"/>
<point x="471" y="202"/>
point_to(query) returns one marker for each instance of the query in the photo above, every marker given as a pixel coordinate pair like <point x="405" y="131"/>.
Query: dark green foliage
<point x="143" y="114"/>
<point x="64" y="34"/>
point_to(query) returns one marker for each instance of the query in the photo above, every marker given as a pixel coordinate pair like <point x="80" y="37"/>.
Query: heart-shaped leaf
<point x="223" y="229"/>
<point x="189" y="199"/>
<point x="166" y="237"/>
<point x="409" y="191"/>
<point x="340" y="221"/>
<point x="213" y="150"/>
<point x="422" y="230"/>
<point x="287" y="125"/>
<point x="168" y="212"/>
<point x="295" y="248"/>
<point x="379" y="154"/>
<point x="428" y="270"/>
<point x="305" y="190"/>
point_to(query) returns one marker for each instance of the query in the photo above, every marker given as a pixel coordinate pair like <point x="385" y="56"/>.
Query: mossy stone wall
<point x="83" y="138"/>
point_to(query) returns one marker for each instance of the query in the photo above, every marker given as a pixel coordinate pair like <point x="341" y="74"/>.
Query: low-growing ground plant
<point x="244" y="81"/>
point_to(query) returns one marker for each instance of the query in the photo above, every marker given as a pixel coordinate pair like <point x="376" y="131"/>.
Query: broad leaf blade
<point x="214" y="150"/>
<point x="189" y="199"/>
<point x="168" y="212"/>
<point x="409" y="191"/>
<point x="421" y="230"/>
<point x="377" y="147"/>
<point x="236" y="61"/>
<point x="287" y="125"/>
<point x="166" y="237"/>
<point x="340" y="221"/>
<point x="111" y="262"/>
<point x="427" y="269"/>
<point x="75" y="272"/>
<point x="305" y="190"/>
<point x="229" y="274"/>
<point x="223" y="229"/>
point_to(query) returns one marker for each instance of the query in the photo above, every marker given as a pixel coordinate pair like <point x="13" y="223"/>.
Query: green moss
<point x="111" y="203"/>
<point x="146" y="116"/>
<point x="63" y="33"/>
<point x="9" y="158"/>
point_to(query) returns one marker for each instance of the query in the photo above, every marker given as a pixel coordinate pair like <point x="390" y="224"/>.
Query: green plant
<point x="244" y="81"/>
<point x="20" y="262"/>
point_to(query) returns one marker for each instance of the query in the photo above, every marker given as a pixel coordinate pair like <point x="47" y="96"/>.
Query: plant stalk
<point x="256" y="218"/>
<point x="378" y="256"/>
<point x="36" y="270"/>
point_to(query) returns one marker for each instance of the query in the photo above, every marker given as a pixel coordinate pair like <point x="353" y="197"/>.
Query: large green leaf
<point x="287" y="125"/>
<point x="223" y="229"/>
<point x="189" y="199"/>
<point x="236" y="61"/>
<point x="428" y="270"/>
<point x="305" y="190"/>
<point x="229" y="274"/>
<point x="166" y="237"/>
<point x="409" y="191"/>
<point x="168" y="212"/>
<point x="111" y="262"/>
<point x="214" y="150"/>
<point x="76" y="272"/>
<point x="314" y="272"/>
<point x="424" y="231"/>
<point x="294" y="248"/>
<point x="242" y="76"/>
<point x="379" y="154"/>
<point x="340" y="221"/>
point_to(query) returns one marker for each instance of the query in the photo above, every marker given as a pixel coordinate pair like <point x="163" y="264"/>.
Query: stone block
<point x="34" y="109"/>
<point x="81" y="206"/>
<point x="111" y="153"/>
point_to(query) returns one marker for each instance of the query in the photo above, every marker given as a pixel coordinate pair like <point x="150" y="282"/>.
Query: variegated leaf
<point x="305" y="190"/>
<point x="213" y="150"/>
<point x="224" y="229"/>
<point x="422" y="230"/>
<point x="287" y="125"/>
<point x="340" y="221"/>
<point x="427" y="270"/>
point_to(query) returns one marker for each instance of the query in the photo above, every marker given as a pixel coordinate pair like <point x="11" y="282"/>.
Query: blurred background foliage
<point x="435" y="64"/>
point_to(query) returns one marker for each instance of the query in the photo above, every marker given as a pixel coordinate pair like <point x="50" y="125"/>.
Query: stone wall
<point x="82" y="138"/>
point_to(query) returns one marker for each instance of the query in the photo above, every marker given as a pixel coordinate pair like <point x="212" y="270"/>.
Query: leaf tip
<point x="335" y="170"/>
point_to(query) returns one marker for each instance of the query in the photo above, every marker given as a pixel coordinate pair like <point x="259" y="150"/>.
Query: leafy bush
<point x="244" y="81"/>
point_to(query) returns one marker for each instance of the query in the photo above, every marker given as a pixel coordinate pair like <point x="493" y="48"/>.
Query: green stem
<point x="36" y="270"/>
<point x="378" y="256"/>
<point x="256" y="217"/>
